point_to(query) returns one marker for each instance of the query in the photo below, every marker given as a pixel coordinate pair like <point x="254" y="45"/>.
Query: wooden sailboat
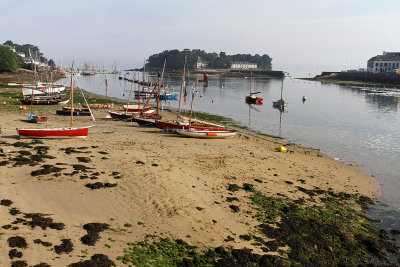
<point x="204" y="80"/>
<point x="252" y="98"/>
<point x="58" y="132"/>
<point x="30" y="98"/>
<point x="101" y="106"/>
<point x="150" y="119"/>
<point x="280" y="103"/>
<point x="209" y="133"/>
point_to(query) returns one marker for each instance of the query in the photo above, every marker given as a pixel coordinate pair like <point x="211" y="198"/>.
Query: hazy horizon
<point x="304" y="37"/>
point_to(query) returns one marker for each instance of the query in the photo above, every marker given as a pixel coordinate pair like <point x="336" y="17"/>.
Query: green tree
<point x="175" y="59"/>
<point x="9" y="61"/>
<point x="52" y="64"/>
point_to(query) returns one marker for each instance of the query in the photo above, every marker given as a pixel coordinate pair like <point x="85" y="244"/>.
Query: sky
<point x="301" y="36"/>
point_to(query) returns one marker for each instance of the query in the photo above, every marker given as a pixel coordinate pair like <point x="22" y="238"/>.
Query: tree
<point x="9" y="61"/>
<point x="175" y="59"/>
<point x="52" y="64"/>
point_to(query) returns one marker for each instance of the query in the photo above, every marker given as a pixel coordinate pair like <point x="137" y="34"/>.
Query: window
<point x="385" y="64"/>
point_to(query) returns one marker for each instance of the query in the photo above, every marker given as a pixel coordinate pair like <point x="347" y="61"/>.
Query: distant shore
<point x="358" y="79"/>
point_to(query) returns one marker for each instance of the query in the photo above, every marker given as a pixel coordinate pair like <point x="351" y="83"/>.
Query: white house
<point x="243" y="65"/>
<point x="201" y="64"/>
<point x="388" y="62"/>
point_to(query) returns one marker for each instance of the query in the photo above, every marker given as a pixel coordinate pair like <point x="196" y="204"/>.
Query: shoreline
<point x="157" y="194"/>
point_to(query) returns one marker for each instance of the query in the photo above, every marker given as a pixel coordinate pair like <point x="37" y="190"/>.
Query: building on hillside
<point x="243" y="65"/>
<point x="388" y="62"/>
<point x="201" y="64"/>
<point x="21" y="54"/>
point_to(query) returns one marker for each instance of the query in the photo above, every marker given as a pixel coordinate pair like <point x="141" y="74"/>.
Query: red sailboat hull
<point x="54" y="133"/>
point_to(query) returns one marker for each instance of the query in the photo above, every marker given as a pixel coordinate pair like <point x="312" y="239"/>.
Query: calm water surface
<point x="360" y="126"/>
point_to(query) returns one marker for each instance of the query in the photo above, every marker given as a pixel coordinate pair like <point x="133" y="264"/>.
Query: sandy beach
<point x="156" y="184"/>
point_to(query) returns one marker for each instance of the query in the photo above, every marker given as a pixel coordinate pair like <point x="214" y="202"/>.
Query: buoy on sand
<point x="23" y="108"/>
<point x="281" y="149"/>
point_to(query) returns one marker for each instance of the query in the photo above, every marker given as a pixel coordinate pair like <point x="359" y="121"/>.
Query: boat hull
<point x="135" y="108"/>
<point x="174" y="125"/>
<point x="55" y="133"/>
<point x="99" y="106"/>
<point x="206" y="134"/>
<point x="75" y="113"/>
<point x="122" y="116"/>
<point x="54" y="101"/>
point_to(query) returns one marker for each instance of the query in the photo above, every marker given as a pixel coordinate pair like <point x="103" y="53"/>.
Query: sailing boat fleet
<point x="68" y="132"/>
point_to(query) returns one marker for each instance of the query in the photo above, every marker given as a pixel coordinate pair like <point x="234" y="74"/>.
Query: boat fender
<point x="281" y="149"/>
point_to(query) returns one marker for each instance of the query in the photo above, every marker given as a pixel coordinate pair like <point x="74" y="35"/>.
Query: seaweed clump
<point x="168" y="252"/>
<point x="93" y="230"/>
<point x="66" y="246"/>
<point x="96" y="260"/>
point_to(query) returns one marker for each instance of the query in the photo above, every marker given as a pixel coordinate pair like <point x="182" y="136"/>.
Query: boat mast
<point x="106" y="89"/>
<point x="138" y="90"/>
<point x="180" y="95"/>
<point x="282" y="88"/>
<point x="159" y="88"/>
<point x="251" y="78"/>
<point x="130" y="92"/>
<point x="191" y="105"/>
<point x="71" y="94"/>
<point x="144" y="69"/>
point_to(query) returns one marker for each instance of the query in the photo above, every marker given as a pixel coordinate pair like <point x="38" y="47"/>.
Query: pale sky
<point x="301" y="36"/>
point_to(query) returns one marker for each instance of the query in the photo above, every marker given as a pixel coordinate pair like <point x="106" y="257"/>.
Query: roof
<point x="387" y="56"/>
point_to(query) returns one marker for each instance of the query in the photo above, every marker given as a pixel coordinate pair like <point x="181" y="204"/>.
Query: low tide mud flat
<point x="128" y="195"/>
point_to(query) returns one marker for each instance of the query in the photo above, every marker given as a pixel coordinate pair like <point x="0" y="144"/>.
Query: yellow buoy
<point x="281" y="149"/>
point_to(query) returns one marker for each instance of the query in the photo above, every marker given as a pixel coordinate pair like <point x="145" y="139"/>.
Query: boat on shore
<point x="42" y="89"/>
<point x="66" y="111"/>
<point x="54" y="133"/>
<point x="99" y="106"/>
<point x="70" y="132"/>
<point x="37" y="119"/>
<point x="42" y="100"/>
<point x="206" y="134"/>
<point x="136" y="108"/>
<point x="127" y="115"/>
